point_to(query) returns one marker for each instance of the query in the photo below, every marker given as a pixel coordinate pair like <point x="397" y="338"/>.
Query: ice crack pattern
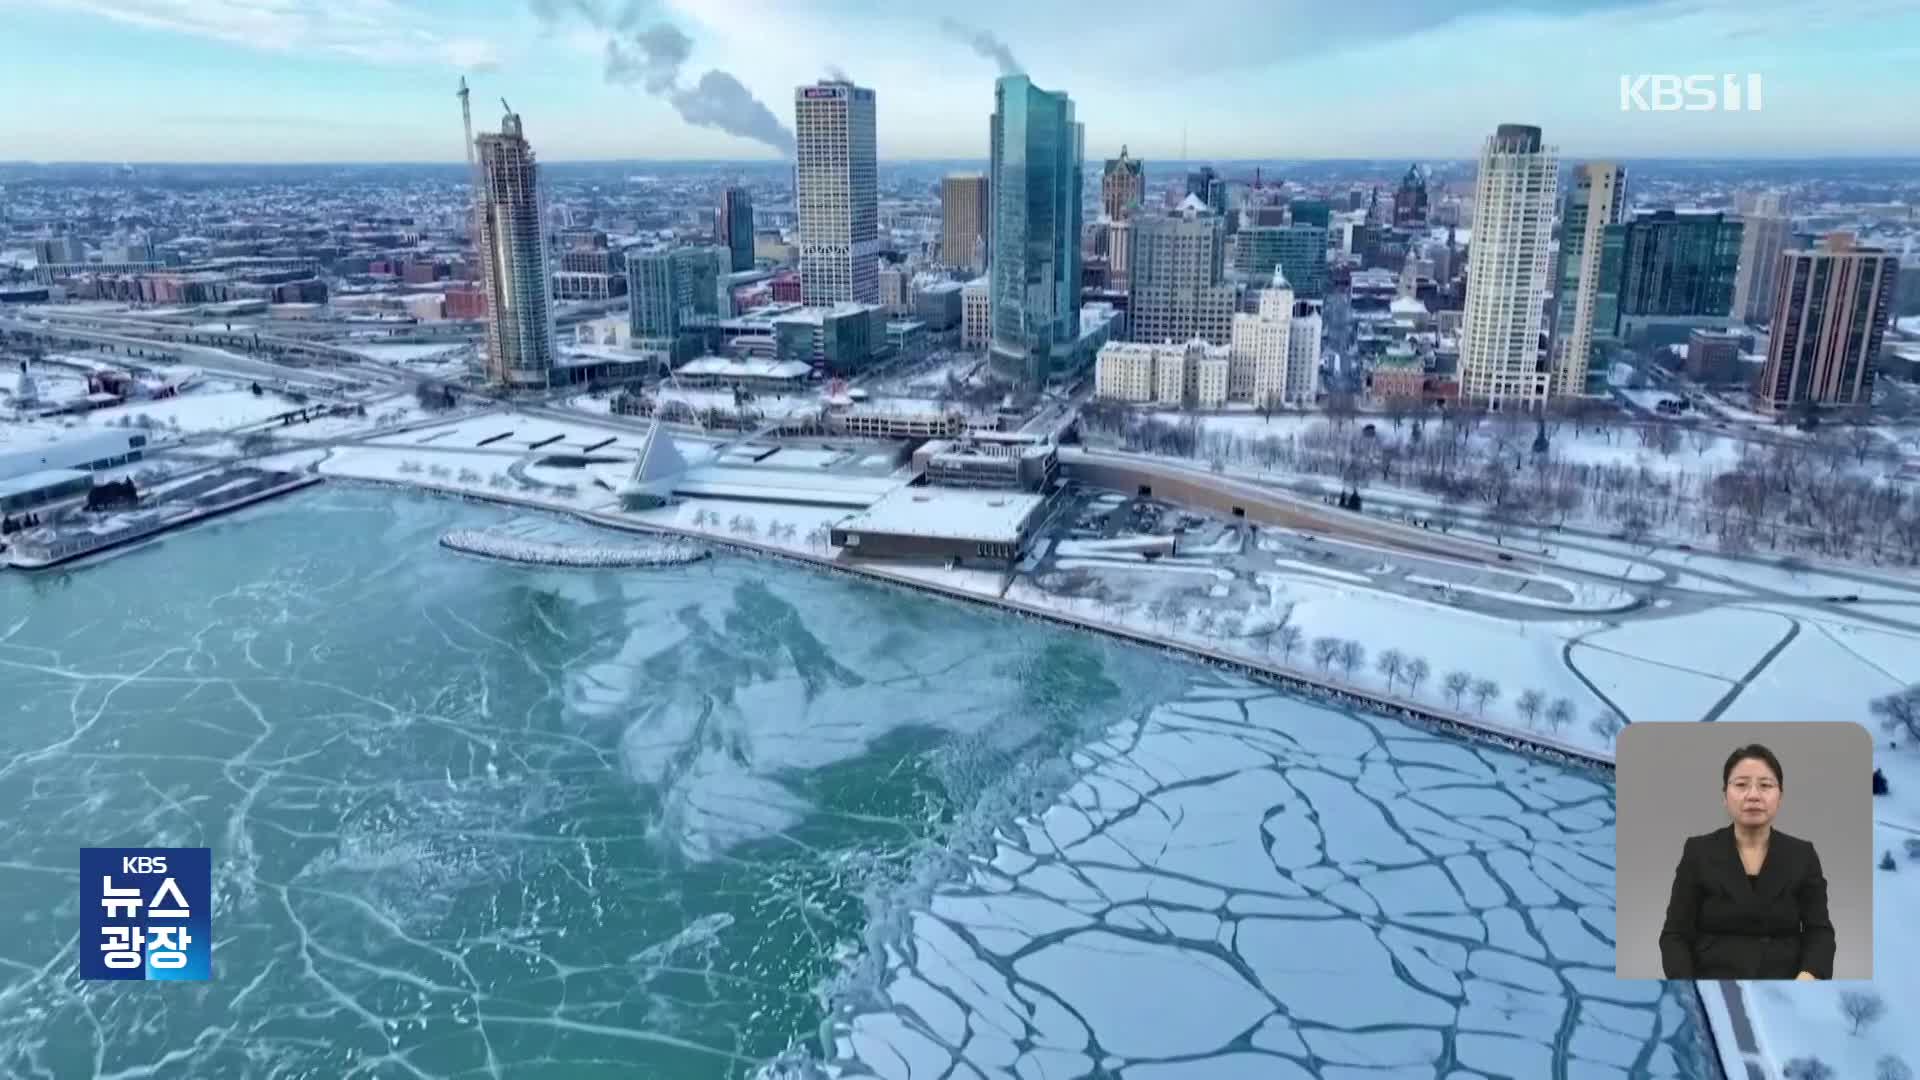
<point x="1246" y="885"/>
<point x="473" y="819"/>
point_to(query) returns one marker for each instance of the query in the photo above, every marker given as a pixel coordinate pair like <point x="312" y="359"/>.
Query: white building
<point x="1303" y="354"/>
<point x="1142" y="373"/>
<point x="976" y="313"/>
<point x="1507" y="270"/>
<point x="1259" y="352"/>
<point x="893" y="291"/>
<point x="836" y="193"/>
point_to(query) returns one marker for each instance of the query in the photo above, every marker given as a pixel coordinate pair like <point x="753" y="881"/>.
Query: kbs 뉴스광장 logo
<point x="146" y="913"/>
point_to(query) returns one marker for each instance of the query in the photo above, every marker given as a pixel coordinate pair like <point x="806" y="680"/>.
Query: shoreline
<point x="122" y="544"/>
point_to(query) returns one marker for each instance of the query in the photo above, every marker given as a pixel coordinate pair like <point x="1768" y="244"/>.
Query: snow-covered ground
<point x="208" y="409"/>
<point x="406" y="353"/>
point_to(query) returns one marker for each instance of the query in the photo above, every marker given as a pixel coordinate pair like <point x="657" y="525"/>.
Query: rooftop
<point x="744" y="369"/>
<point x="988" y="516"/>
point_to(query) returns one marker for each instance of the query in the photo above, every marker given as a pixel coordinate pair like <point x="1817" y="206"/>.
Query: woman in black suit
<point x="1749" y="901"/>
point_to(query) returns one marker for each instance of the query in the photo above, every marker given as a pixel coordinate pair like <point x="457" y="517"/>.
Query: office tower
<point x="1035" y="180"/>
<point x="670" y="287"/>
<point x="965" y="211"/>
<point x="1123" y="187"/>
<point x="1310" y="212"/>
<point x="1760" y="204"/>
<point x="1257" y="371"/>
<point x="1596" y="198"/>
<point x="1674" y="272"/>
<point x="1178" y="289"/>
<point x="1507" y="269"/>
<point x="736" y="227"/>
<point x="1206" y="184"/>
<point x="836" y="192"/>
<point x="1410" y="201"/>
<point x="1831" y="307"/>
<point x="1303" y="353"/>
<point x="513" y="259"/>
<point x="1300" y="250"/>
<point x="1762" y="239"/>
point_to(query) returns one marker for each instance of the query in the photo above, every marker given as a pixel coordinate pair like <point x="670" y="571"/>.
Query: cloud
<point x="985" y="44"/>
<point x="651" y="55"/>
<point x="375" y="31"/>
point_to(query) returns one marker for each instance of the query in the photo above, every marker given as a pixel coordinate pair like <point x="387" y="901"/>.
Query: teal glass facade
<point x="1034" y="270"/>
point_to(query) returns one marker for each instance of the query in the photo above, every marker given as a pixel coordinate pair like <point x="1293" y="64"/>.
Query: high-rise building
<point x="1123" y="187"/>
<point x="1303" y="353"/>
<point x="1595" y="199"/>
<point x="513" y="258"/>
<point x="670" y="287"/>
<point x="965" y="220"/>
<point x="1177" y="286"/>
<point x="1035" y="269"/>
<point x="1311" y="212"/>
<point x="1831" y="307"/>
<point x="1675" y="271"/>
<point x="836" y="193"/>
<point x="1762" y="239"/>
<point x="1206" y="184"/>
<point x="1500" y="361"/>
<point x="736" y="227"/>
<point x="1299" y="249"/>
<point x="1257" y="371"/>
<point x="1760" y="204"/>
<point x="1410" y="201"/>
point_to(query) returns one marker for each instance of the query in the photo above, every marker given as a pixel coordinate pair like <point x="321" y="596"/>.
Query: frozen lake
<point x="478" y="819"/>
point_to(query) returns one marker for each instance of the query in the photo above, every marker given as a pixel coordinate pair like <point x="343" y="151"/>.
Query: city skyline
<point x="372" y="80"/>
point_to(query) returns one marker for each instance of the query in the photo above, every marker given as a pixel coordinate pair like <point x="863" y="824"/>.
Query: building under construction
<point x="512" y="254"/>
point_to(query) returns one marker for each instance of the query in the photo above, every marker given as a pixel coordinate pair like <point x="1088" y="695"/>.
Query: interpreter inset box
<point x="1744" y="851"/>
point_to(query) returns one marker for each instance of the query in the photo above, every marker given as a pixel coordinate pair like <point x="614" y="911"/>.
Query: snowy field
<point x="1241" y="885"/>
<point x="197" y="410"/>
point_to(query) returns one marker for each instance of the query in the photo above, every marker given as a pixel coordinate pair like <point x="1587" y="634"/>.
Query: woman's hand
<point x="1806" y="976"/>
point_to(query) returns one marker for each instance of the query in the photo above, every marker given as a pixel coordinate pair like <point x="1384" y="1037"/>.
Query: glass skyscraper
<point x="1035" y="236"/>
<point x="1673" y="268"/>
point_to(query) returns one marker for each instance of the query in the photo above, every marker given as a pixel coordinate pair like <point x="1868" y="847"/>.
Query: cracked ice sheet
<point x="1283" y="888"/>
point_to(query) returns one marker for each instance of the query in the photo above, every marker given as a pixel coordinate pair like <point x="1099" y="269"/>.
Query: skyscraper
<point x="1206" y="184"/>
<point x="1595" y="200"/>
<point x="1410" y="202"/>
<point x="1674" y="272"/>
<point x="964" y="216"/>
<point x="1123" y="186"/>
<point x="736" y="227"/>
<point x="1831" y="307"/>
<point x="513" y="259"/>
<point x="1178" y="288"/>
<point x="1507" y="269"/>
<point x="1299" y="249"/>
<point x="1035" y="182"/>
<point x="836" y="192"/>
<point x="1257" y="371"/>
<point x="1762" y="238"/>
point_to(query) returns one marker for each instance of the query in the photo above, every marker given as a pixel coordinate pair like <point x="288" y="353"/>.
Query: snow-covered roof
<point x="959" y="514"/>
<point x="744" y="369"/>
<point x="39" y="481"/>
<point x="1192" y="203"/>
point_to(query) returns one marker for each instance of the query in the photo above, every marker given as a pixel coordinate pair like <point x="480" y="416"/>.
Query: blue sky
<point x="373" y="80"/>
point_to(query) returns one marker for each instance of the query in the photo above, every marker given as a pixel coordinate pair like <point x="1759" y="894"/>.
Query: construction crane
<point x="466" y="119"/>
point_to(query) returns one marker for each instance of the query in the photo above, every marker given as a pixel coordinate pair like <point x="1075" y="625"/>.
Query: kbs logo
<point x="1690" y="93"/>
<point x="146" y="913"/>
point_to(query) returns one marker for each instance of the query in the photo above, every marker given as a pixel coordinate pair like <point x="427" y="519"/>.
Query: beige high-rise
<point x="1595" y="201"/>
<point x="964" y="220"/>
<point x="510" y="244"/>
<point x="1762" y="238"/>
<point x="1500" y="361"/>
<point x="1260" y="350"/>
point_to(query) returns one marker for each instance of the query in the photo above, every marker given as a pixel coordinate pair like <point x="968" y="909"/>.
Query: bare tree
<point x="1861" y="1008"/>
<point x="1352" y="655"/>
<point x="1390" y="664"/>
<point x="1455" y="685"/>
<point x="1892" y="1067"/>
<point x="1529" y="704"/>
<point x="1703" y="440"/>
<point x="1664" y="438"/>
<point x="1607" y="726"/>
<point x="1416" y="673"/>
<point x="1324" y="651"/>
<point x="1559" y="714"/>
<point x="1485" y="692"/>
<point x="1807" y="1068"/>
<point x="1899" y="712"/>
<point x="1287" y="639"/>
